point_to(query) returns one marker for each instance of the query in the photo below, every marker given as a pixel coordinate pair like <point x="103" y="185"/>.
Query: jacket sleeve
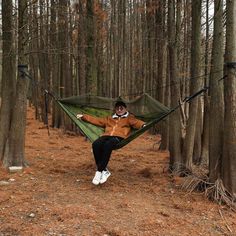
<point x="94" y="120"/>
<point x="135" y="123"/>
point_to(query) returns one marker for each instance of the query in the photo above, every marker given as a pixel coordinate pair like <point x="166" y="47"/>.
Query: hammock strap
<point x="46" y="93"/>
<point x="46" y="111"/>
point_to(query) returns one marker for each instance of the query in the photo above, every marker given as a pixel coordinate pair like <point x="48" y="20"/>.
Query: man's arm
<point x="92" y="120"/>
<point x="136" y="123"/>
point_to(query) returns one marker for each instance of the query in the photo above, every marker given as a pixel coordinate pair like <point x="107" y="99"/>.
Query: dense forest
<point x="170" y="49"/>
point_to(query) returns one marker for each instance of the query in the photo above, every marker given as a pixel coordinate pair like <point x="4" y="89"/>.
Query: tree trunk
<point x="229" y="146"/>
<point x="43" y="57"/>
<point x="33" y="58"/>
<point x="101" y="33"/>
<point x="91" y="81"/>
<point x="206" y="121"/>
<point x="161" y="45"/>
<point x="8" y="77"/>
<point x="15" y="153"/>
<point x="161" y="90"/>
<point x="56" y="114"/>
<point x="198" y="135"/>
<point x="81" y="49"/>
<point x="175" y="125"/>
<point x="64" y="61"/>
<point x="216" y="95"/>
<point x="195" y="72"/>
<point x="165" y="136"/>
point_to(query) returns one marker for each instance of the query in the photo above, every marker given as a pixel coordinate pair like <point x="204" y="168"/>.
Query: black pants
<point x="102" y="148"/>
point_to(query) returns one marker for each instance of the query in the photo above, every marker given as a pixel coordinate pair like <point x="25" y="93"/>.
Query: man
<point x="117" y="127"/>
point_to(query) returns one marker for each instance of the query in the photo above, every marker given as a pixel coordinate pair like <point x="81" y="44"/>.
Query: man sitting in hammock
<point x="117" y="127"/>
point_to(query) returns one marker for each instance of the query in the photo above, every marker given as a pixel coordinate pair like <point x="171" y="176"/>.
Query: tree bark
<point x="15" y="153"/>
<point x="206" y="120"/>
<point x="8" y="78"/>
<point x="43" y="58"/>
<point x="216" y="95"/>
<point x="161" y="90"/>
<point x="81" y="49"/>
<point x="175" y="124"/>
<point x="56" y="114"/>
<point x="91" y="81"/>
<point x="33" y="58"/>
<point x="195" y="72"/>
<point x="229" y="146"/>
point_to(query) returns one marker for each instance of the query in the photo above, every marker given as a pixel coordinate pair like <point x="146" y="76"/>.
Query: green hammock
<point x="144" y="108"/>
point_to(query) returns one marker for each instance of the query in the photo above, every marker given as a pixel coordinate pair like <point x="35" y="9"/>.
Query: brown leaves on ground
<point x="55" y="196"/>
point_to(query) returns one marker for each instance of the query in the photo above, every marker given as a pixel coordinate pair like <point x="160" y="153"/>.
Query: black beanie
<point x="120" y="103"/>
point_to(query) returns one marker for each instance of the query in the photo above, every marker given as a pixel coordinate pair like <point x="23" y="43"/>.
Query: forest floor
<point x="55" y="196"/>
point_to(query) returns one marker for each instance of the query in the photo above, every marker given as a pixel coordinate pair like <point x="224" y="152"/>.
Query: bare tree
<point x="91" y="81"/>
<point x="175" y="125"/>
<point x="15" y="149"/>
<point x="194" y="86"/>
<point x="229" y="146"/>
<point x="54" y="45"/>
<point x="8" y="78"/>
<point x="216" y="95"/>
<point x="206" y="122"/>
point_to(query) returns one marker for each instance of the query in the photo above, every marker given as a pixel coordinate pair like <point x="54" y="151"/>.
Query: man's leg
<point x="108" y="145"/>
<point x="98" y="147"/>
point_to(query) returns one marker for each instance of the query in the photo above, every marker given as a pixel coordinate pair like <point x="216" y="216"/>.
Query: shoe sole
<point x="95" y="183"/>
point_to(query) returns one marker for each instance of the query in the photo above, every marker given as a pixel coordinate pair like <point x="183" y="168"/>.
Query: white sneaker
<point x="105" y="175"/>
<point x="97" y="178"/>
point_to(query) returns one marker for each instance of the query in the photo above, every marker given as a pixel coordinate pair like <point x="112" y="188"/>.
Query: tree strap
<point x="46" y="110"/>
<point x="231" y="65"/>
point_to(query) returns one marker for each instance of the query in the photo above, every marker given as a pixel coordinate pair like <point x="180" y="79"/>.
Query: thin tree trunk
<point x="198" y="135"/>
<point x="56" y="114"/>
<point x="175" y="125"/>
<point x="34" y="60"/>
<point x="206" y="120"/>
<point x="81" y="49"/>
<point x="64" y="60"/>
<point x="43" y="59"/>
<point x="195" y="72"/>
<point x="163" y="128"/>
<point x="91" y="85"/>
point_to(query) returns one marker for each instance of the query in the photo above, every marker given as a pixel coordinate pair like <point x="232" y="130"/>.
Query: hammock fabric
<point x="144" y="108"/>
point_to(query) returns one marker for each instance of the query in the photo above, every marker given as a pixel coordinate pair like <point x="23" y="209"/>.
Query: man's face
<point x="120" y="110"/>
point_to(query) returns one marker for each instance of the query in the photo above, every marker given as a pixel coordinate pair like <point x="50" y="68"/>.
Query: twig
<point x="223" y="218"/>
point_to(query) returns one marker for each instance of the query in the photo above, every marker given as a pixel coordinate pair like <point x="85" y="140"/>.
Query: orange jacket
<point x="114" y="125"/>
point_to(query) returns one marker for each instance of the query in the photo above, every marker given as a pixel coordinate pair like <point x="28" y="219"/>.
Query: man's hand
<point x="79" y="116"/>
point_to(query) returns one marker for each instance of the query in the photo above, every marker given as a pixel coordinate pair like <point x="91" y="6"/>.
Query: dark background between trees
<point x="169" y="49"/>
